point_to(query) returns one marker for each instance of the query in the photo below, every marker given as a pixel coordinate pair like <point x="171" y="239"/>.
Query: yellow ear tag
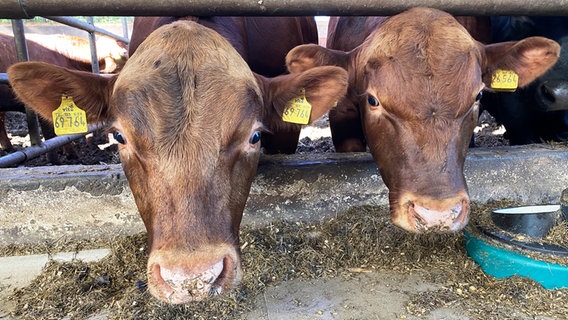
<point x="298" y="110"/>
<point x="68" y="118"/>
<point x="505" y="80"/>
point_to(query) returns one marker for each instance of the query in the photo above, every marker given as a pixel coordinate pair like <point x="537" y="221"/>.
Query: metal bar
<point x="30" y="8"/>
<point x="22" y="53"/>
<point x="124" y="27"/>
<point x="93" y="45"/>
<point x="70" y="21"/>
<point x="29" y="153"/>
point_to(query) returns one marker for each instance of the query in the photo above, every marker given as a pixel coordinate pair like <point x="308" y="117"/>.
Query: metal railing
<point x="25" y="9"/>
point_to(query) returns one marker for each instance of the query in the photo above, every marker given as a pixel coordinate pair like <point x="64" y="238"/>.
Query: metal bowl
<point x="535" y="221"/>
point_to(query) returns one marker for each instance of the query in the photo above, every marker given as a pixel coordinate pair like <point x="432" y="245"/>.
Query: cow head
<point x="112" y="54"/>
<point x="416" y="81"/>
<point x="188" y="114"/>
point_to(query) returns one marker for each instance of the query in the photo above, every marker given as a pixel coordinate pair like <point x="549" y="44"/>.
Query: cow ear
<point x="41" y="85"/>
<point x="322" y="88"/>
<point x="529" y="58"/>
<point x="308" y="56"/>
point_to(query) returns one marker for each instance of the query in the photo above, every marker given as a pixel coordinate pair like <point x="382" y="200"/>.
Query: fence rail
<point x="17" y="9"/>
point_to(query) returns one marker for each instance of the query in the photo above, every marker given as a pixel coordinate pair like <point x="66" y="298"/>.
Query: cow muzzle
<point x="180" y="277"/>
<point x="428" y="215"/>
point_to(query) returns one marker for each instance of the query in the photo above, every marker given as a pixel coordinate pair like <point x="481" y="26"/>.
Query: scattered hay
<point x="360" y="239"/>
<point x="558" y="234"/>
<point x="52" y="247"/>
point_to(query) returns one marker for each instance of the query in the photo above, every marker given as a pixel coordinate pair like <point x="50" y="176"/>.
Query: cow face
<point x="188" y="114"/>
<point x="416" y="82"/>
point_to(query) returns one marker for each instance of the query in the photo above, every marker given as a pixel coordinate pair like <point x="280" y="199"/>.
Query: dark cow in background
<point x="262" y="42"/>
<point x="414" y="88"/>
<point x="537" y="112"/>
<point x="188" y="114"/>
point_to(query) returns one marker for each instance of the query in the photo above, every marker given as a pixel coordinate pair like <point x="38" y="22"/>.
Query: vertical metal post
<point x="124" y="27"/>
<point x="93" y="45"/>
<point x="22" y="52"/>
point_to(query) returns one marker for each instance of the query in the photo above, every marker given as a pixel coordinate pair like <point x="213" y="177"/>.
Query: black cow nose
<point x="547" y="92"/>
<point x="553" y="95"/>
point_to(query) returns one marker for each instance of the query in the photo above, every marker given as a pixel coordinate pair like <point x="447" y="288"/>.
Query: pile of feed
<point x="360" y="239"/>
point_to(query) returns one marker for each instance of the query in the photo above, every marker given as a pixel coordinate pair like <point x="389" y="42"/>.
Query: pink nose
<point x="418" y="213"/>
<point x="176" y="277"/>
<point x="449" y="218"/>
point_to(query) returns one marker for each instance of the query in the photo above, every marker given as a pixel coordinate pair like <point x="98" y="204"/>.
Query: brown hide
<point x="413" y="99"/>
<point x="37" y="52"/>
<point x="187" y="112"/>
<point x="112" y="54"/>
<point x="262" y="42"/>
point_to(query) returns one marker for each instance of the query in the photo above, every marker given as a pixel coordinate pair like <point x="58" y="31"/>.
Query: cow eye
<point x="372" y="101"/>
<point x="119" y="137"/>
<point x="255" y="137"/>
<point x="479" y="96"/>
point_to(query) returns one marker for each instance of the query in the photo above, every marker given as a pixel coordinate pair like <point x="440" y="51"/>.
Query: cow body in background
<point x="414" y="87"/>
<point x="539" y="111"/>
<point x="112" y="54"/>
<point x="262" y="42"/>
<point x="188" y="113"/>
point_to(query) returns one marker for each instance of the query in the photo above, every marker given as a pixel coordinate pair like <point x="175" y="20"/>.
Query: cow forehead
<point x="423" y="29"/>
<point x="185" y="88"/>
<point x="426" y="58"/>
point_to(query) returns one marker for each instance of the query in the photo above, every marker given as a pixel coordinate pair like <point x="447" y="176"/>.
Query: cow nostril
<point x="547" y="93"/>
<point x="457" y="210"/>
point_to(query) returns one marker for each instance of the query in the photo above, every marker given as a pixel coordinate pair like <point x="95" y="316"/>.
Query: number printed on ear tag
<point x="505" y="80"/>
<point x="298" y="110"/>
<point x="68" y="118"/>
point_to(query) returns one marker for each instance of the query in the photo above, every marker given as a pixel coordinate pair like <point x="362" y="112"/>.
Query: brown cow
<point x="262" y="42"/>
<point x="112" y="54"/>
<point x="413" y="98"/>
<point x="187" y="112"/>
